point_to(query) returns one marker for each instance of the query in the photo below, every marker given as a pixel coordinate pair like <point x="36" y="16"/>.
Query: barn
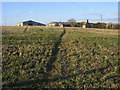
<point x="30" y="23"/>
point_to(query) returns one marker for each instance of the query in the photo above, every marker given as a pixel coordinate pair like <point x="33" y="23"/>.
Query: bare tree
<point x="72" y="22"/>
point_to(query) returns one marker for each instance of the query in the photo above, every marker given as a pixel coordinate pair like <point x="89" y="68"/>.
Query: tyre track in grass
<point x="55" y="50"/>
<point x="26" y="28"/>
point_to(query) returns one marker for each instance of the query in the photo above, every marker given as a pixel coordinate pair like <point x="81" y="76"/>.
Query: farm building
<point x="110" y="25"/>
<point x="64" y="24"/>
<point x="85" y="24"/>
<point x="61" y="24"/>
<point x="30" y="23"/>
<point x="53" y="24"/>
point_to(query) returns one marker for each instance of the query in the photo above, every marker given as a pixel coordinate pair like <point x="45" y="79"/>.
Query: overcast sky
<point x="45" y="12"/>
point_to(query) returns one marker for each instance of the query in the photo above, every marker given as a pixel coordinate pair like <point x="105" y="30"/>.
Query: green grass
<point x="42" y="57"/>
<point x="86" y="60"/>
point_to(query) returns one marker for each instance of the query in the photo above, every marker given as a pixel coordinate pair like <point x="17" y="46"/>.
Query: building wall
<point x="61" y="25"/>
<point x="20" y="24"/>
<point x="51" y="24"/>
<point x="83" y="26"/>
<point x="58" y="24"/>
<point x="87" y="25"/>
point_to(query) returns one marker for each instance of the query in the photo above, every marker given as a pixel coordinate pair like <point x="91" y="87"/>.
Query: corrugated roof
<point x="33" y="21"/>
<point x="30" y="21"/>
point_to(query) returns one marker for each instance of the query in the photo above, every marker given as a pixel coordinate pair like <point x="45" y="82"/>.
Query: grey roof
<point x="30" y="21"/>
<point x="33" y="21"/>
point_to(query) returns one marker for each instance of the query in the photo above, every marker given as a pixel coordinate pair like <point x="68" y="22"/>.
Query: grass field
<point x="54" y="57"/>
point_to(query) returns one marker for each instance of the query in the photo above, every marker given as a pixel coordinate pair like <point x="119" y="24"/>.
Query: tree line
<point x="73" y="23"/>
